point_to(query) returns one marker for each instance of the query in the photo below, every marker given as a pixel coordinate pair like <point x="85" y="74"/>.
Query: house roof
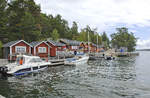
<point x="100" y="46"/>
<point x="56" y="43"/>
<point x="36" y="43"/>
<point x="71" y="42"/>
<point x="9" y="44"/>
<point x="94" y="45"/>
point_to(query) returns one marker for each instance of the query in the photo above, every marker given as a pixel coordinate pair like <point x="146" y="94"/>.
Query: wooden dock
<point x="94" y="56"/>
<point x="126" y="54"/>
<point x="3" y="62"/>
<point x="57" y="62"/>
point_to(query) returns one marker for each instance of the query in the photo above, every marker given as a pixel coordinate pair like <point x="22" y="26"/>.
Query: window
<point x="20" y="49"/>
<point x="74" y="47"/>
<point x="58" y="48"/>
<point x="42" y="49"/>
<point x="35" y="60"/>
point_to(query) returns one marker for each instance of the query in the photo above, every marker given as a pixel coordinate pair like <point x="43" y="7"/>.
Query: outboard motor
<point x="3" y="70"/>
<point x="109" y="58"/>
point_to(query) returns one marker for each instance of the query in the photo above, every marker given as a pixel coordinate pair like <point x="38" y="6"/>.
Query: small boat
<point x="24" y="64"/>
<point x="77" y="60"/>
<point x="109" y="57"/>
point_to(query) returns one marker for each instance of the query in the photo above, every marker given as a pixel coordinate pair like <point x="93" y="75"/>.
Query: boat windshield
<point x="18" y="59"/>
<point x="35" y="60"/>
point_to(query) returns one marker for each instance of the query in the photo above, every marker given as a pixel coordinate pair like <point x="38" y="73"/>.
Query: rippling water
<point x="122" y="78"/>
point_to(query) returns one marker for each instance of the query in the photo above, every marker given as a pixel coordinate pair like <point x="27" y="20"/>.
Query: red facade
<point x="72" y="48"/>
<point x="92" y="48"/>
<point x="61" y="48"/>
<point x="52" y="50"/>
<point x="35" y="50"/>
<point x="13" y="52"/>
<point x="28" y="48"/>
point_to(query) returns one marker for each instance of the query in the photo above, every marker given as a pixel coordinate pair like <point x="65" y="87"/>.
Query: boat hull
<point x="27" y="72"/>
<point x="77" y="61"/>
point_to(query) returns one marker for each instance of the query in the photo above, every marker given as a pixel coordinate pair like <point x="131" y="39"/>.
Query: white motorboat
<point x="24" y="64"/>
<point x="77" y="60"/>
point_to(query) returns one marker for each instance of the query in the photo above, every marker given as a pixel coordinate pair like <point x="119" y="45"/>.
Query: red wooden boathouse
<point x="41" y="49"/>
<point x="13" y="48"/>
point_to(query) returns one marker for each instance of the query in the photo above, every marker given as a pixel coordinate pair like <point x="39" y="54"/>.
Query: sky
<point x="105" y="15"/>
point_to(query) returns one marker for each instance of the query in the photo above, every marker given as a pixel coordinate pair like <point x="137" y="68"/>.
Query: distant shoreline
<point x="142" y="49"/>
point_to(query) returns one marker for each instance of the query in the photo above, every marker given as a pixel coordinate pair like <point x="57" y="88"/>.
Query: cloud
<point x="96" y="12"/>
<point x="106" y="15"/>
<point x="143" y="44"/>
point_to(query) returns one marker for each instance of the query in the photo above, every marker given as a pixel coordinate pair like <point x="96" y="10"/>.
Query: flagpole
<point x="88" y="43"/>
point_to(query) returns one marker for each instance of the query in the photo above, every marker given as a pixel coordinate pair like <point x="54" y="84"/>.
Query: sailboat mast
<point x="97" y="41"/>
<point x="88" y="43"/>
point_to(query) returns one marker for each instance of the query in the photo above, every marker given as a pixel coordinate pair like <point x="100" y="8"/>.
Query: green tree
<point x="3" y="21"/>
<point x="55" y="35"/>
<point x="105" y="40"/>
<point x="23" y="22"/>
<point x="27" y="28"/>
<point x="83" y="36"/>
<point x="122" y="38"/>
<point x="74" y="31"/>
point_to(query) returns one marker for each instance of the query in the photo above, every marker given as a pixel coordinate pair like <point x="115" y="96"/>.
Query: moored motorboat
<point x="109" y="57"/>
<point x="78" y="59"/>
<point x="24" y="64"/>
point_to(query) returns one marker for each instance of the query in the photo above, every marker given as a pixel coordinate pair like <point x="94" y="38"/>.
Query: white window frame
<point x="42" y="50"/>
<point x="58" y="48"/>
<point x="74" y="47"/>
<point x="20" y="49"/>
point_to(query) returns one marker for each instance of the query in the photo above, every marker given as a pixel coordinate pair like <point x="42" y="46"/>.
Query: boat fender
<point x="21" y="62"/>
<point x="46" y="59"/>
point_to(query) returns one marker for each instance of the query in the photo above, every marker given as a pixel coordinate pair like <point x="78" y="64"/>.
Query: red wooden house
<point x="82" y="47"/>
<point x="89" y="47"/>
<point x="93" y="47"/>
<point x="40" y="48"/>
<point x="56" y="47"/>
<point x="71" y="45"/>
<point x="13" y="48"/>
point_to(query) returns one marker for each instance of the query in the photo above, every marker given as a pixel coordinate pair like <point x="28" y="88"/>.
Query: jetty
<point x="3" y="62"/>
<point x="56" y="62"/>
<point x="94" y="56"/>
<point x="126" y="54"/>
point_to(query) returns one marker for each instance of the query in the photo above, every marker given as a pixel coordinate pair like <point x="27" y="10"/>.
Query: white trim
<point x="30" y="50"/>
<point x="42" y="42"/>
<point x="21" y="47"/>
<point x="19" y="42"/>
<point x="42" y="48"/>
<point x="10" y="53"/>
<point x="34" y="51"/>
<point x="10" y="50"/>
<point x="51" y="43"/>
<point x="48" y="51"/>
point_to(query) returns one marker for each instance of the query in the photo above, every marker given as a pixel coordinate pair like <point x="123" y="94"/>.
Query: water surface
<point x="122" y="78"/>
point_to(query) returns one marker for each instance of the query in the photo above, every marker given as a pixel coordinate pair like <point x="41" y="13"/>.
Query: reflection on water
<point x="121" y="78"/>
